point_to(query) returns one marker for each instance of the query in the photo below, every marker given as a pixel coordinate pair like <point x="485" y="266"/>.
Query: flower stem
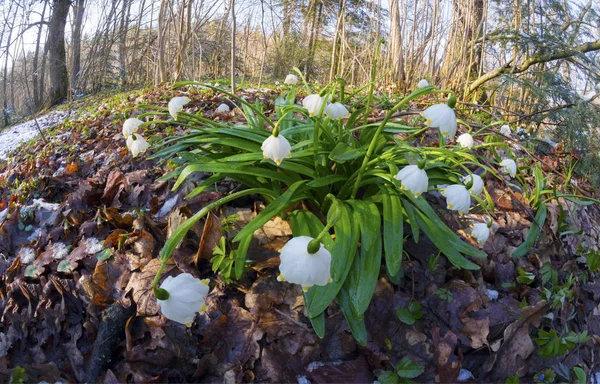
<point x="415" y="94"/>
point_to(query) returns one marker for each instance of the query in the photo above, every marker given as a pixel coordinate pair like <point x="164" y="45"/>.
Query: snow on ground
<point x="14" y="135"/>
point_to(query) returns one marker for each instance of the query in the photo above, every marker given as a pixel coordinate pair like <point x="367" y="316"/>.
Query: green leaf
<point x="393" y="230"/>
<point x="363" y="275"/>
<point x="343" y="152"/>
<point x="318" y="324"/>
<point x="247" y="170"/>
<point x="408" y="369"/>
<point x="239" y="257"/>
<point x="31" y="271"/>
<point x="271" y="210"/>
<point x="64" y="266"/>
<point x="512" y="379"/>
<point x="18" y="375"/>
<point x="534" y="231"/>
<point x="355" y="322"/>
<point x="388" y="377"/>
<point x="405" y="316"/>
<point x="104" y="254"/>
<point x="326" y="181"/>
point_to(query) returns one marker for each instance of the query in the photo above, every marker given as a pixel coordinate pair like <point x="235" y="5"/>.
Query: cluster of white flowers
<point x="505" y="130"/>
<point x="222" y="109"/>
<point x="314" y="103"/>
<point x="135" y="142"/>
<point x="186" y="298"/>
<point x="291" y="80"/>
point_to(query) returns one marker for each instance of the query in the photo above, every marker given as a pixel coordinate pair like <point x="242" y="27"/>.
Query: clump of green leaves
<point x="405" y="370"/>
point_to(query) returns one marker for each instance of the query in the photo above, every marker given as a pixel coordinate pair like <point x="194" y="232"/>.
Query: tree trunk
<point x="233" y="48"/>
<point x="57" y="60"/>
<point x="78" y="10"/>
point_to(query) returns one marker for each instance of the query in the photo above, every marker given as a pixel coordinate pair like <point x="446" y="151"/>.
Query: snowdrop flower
<point x="291" y="80"/>
<point x="465" y="140"/>
<point x="186" y="298"/>
<point x="477" y="187"/>
<point x="481" y="232"/>
<point x="276" y="148"/>
<point x="277" y="83"/>
<point x="509" y="166"/>
<point x="130" y="126"/>
<point x="457" y="198"/>
<point x="176" y="105"/>
<point x="137" y="144"/>
<point x="336" y="111"/>
<point x="223" y="108"/>
<point x="313" y="104"/>
<point x="505" y="130"/>
<point x="413" y="179"/>
<point x="300" y="267"/>
<point x="423" y="83"/>
<point x="443" y="117"/>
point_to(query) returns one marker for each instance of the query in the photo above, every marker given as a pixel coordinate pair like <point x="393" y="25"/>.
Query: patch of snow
<point x="34" y="235"/>
<point x="552" y="143"/>
<point x="302" y="380"/>
<point x="595" y="378"/>
<point x="167" y="206"/>
<point x="40" y="203"/>
<point x="492" y="294"/>
<point x="60" y="172"/>
<point x="3" y="214"/>
<point x="60" y="251"/>
<point x="27" y="255"/>
<point x="93" y="245"/>
<point x="15" y="135"/>
<point x="464" y="375"/>
<point x="318" y="364"/>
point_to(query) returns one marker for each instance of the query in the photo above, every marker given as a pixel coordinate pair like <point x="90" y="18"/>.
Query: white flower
<point x="291" y="80"/>
<point x="223" y="108"/>
<point x="300" y="267"/>
<point x="443" y="117"/>
<point x="477" y="187"/>
<point x="465" y="140"/>
<point x="509" y="166"/>
<point x="413" y="179"/>
<point x="505" y="130"/>
<point x="276" y="148"/>
<point x="313" y="104"/>
<point x="137" y="144"/>
<point x="336" y="111"/>
<point x="457" y="198"/>
<point x="176" y="105"/>
<point x="277" y="83"/>
<point x="130" y="126"/>
<point x="481" y="233"/>
<point x="423" y="83"/>
<point x="186" y="298"/>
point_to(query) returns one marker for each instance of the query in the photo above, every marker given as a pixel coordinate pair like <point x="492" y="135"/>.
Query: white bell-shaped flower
<point x="300" y="267"/>
<point x="176" y="105"/>
<point x="336" y="111"/>
<point x="481" y="233"/>
<point x="477" y="187"/>
<point x="509" y="166"/>
<point x="457" y="198"/>
<point x="465" y="140"/>
<point x="505" y="130"/>
<point x="291" y="80"/>
<point x="443" y="117"/>
<point x="276" y="148"/>
<point x="223" y="108"/>
<point x="423" y="83"/>
<point x="130" y="126"/>
<point x="137" y="144"/>
<point x="277" y="83"/>
<point x="313" y="103"/>
<point x="186" y="298"/>
<point x="413" y="179"/>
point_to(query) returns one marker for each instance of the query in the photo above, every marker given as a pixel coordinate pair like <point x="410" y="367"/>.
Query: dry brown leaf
<point x="518" y="346"/>
<point x="477" y="325"/>
<point x="141" y="285"/>
<point x="211" y="234"/>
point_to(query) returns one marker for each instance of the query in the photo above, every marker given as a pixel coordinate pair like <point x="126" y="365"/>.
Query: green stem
<point x="373" y="74"/>
<point x="417" y="93"/>
<point x="183" y="229"/>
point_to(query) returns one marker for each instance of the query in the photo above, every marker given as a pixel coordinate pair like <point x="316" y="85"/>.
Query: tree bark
<point x="78" y="10"/>
<point x="57" y="60"/>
